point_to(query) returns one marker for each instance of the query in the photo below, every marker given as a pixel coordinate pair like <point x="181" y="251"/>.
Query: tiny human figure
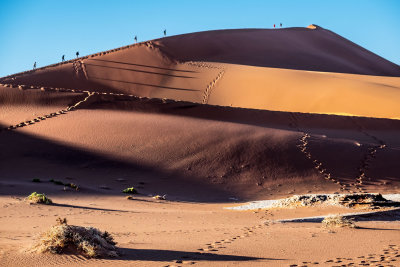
<point x="135" y="39"/>
<point x="165" y="32"/>
<point x="77" y="54"/>
<point x="34" y="65"/>
<point x="63" y="58"/>
<point x="281" y="24"/>
<point x="274" y="26"/>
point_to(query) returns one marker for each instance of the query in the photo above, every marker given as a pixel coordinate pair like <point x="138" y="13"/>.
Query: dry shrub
<point x="87" y="241"/>
<point x="130" y="190"/>
<point x="338" y="221"/>
<point x="158" y="197"/>
<point x="39" y="198"/>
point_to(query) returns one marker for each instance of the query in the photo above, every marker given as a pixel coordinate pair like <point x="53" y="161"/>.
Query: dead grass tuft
<point x="88" y="241"/>
<point x="338" y="221"/>
<point x="130" y="190"/>
<point x="158" y="197"/>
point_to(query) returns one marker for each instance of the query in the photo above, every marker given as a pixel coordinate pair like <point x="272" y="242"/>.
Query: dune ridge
<point x="223" y="68"/>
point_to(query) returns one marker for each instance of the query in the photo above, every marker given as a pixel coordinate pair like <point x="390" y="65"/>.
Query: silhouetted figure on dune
<point x="281" y="25"/>
<point x="63" y="58"/>
<point x="135" y="39"/>
<point x="165" y="32"/>
<point x="77" y="54"/>
<point x="274" y="26"/>
<point x="34" y="65"/>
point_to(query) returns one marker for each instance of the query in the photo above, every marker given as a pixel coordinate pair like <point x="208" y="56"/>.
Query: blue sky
<point x="44" y="30"/>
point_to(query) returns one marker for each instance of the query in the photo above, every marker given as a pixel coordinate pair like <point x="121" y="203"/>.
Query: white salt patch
<point x="267" y="204"/>
<point x="321" y="217"/>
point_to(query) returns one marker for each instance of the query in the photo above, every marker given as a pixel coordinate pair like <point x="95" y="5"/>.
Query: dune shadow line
<point x="87" y="208"/>
<point x="141" y="65"/>
<point x="170" y="255"/>
<point x="144" y="84"/>
<point x="143" y="71"/>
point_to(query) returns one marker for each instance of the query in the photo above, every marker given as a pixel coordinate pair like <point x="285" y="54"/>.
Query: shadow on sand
<point x="89" y="208"/>
<point x="141" y="65"/>
<point x="142" y="71"/>
<point x="24" y="156"/>
<point x="145" y="84"/>
<point x="171" y="255"/>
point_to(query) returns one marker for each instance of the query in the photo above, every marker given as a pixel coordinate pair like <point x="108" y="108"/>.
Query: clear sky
<point x="44" y="30"/>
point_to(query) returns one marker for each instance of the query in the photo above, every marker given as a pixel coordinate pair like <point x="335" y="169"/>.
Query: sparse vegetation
<point x="39" y="198"/>
<point x="87" y="241"/>
<point x="158" y="197"/>
<point x="36" y="180"/>
<point x="338" y="221"/>
<point x="73" y="186"/>
<point x="130" y="190"/>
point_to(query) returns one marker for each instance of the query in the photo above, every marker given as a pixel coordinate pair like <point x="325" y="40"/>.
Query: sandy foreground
<point x="164" y="233"/>
<point x="210" y="126"/>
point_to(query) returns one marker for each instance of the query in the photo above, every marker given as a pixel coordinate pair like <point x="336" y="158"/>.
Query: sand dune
<point x="290" y="48"/>
<point x="205" y="119"/>
<point x="176" y="68"/>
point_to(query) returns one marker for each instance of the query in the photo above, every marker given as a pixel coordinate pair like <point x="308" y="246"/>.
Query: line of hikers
<point x="77" y="53"/>
<point x="165" y="34"/>
<point x="62" y="59"/>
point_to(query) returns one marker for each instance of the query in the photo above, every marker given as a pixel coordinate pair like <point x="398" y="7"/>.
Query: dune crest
<point x="293" y="69"/>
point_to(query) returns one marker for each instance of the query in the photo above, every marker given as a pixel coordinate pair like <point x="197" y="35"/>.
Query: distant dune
<point x="289" y="48"/>
<point x="294" y="69"/>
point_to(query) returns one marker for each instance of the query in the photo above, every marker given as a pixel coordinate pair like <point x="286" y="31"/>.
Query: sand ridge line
<point x="18" y="74"/>
<point x="303" y="146"/>
<point x="68" y="90"/>
<point x="201" y="64"/>
<point x="369" y="156"/>
<point x="48" y="116"/>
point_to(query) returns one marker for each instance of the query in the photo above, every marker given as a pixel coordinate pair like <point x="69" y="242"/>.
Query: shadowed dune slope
<point x="245" y="153"/>
<point x="291" y="48"/>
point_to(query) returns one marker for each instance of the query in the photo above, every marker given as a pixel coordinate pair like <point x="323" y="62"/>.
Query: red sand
<point x="143" y="119"/>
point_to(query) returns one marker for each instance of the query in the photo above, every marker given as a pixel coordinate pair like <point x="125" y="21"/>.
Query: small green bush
<point x="129" y="190"/>
<point x="36" y="180"/>
<point x="39" y="198"/>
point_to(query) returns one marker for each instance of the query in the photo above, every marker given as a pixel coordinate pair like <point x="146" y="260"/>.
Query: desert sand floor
<point x="167" y="233"/>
